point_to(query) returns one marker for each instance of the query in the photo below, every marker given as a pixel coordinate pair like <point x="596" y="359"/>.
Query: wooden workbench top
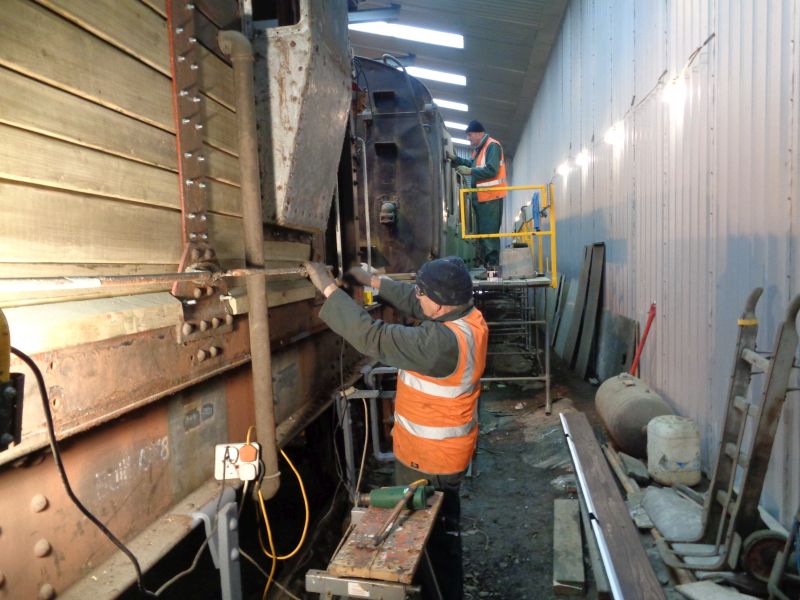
<point x="397" y="558"/>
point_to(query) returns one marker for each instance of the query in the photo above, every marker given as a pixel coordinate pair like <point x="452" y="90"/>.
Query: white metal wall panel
<point x="699" y="204"/>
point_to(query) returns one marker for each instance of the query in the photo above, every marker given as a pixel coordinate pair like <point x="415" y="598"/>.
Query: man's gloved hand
<point x="449" y="155"/>
<point x="361" y="276"/>
<point x="463" y="170"/>
<point x="319" y="275"/>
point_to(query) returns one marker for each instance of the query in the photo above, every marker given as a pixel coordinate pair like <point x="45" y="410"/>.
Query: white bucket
<point x="673" y="450"/>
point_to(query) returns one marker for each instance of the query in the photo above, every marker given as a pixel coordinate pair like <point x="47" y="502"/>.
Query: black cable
<point x="54" y="448"/>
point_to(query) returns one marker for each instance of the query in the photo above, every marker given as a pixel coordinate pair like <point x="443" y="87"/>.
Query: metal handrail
<point x="549" y="195"/>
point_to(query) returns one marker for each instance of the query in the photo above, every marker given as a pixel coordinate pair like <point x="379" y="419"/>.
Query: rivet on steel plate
<point x="200" y="158"/>
<point x="187" y="155"/>
<point x="186" y="120"/>
<point x="202" y="186"/>
<point x="181" y="58"/>
<point x="213" y="350"/>
<point x="196" y="99"/>
<point x="198" y="126"/>
<point x="194" y="66"/>
<point x="179" y="30"/>
<point x="235" y="554"/>
<point x="209" y="291"/>
<point x="191" y="216"/>
<point x="193" y="236"/>
<point x="42" y="548"/>
<point x="46" y="592"/>
<point x="203" y="217"/>
<point x="203" y="324"/>
<point x="204" y="236"/>
<point x="233" y="524"/>
<point x="192" y="40"/>
<point x="189" y="182"/>
<point x="187" y="328"/>
<point x="190" y="6"/>
<point x="38" y="503"/>
<point x="215" y="322"/>
<point x="201" y="355"/>
<point x="183" y="93"/>
<point x="197" y="292"/>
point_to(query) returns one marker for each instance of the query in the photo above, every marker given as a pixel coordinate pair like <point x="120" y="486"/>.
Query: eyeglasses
<point x="418" y="291"/>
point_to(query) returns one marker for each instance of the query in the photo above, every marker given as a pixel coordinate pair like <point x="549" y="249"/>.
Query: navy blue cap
<point x="446" y="281"/>
<point x="475" y="127"/>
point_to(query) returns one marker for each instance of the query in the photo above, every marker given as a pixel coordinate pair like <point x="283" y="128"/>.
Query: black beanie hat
<point x="446" y="281"/>
<point x="475" y="127"/>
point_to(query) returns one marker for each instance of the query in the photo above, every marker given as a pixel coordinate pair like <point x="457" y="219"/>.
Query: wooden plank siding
<point x="88" y="165"/>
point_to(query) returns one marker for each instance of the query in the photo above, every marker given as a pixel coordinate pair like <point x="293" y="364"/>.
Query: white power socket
<point x="237" y="461"/>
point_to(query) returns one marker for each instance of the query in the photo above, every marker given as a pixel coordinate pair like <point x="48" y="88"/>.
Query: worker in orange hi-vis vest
<point x="440" y="363"/>
<point x="487" y="169"/>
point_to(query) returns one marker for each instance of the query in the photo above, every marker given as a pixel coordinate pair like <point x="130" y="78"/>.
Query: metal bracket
<point x="222" y="531"/>
<point x="187" y="103"/>
<point x="11" y="410"/>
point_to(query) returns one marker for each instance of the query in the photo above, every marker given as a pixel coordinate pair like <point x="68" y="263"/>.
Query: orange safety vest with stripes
<point x="436" y="418"/>
<point x="498" y="180"/>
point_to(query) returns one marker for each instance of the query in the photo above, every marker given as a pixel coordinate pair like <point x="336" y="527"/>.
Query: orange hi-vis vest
<point x="498" y="181"/>
<point x="436" y="418"/>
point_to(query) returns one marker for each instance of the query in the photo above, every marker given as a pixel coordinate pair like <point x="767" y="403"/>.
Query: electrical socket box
<point x="242" y="461"/>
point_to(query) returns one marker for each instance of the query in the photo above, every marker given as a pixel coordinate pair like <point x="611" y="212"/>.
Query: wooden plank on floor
<point x="626" y="562"/>
<point x="568" y="575"/>
<point x="47" y="47"/>
<point x="571" y="343"/>
<point x="593" y="298"/>
<point x="397" y="558"/>
<point x="51" y="326"/>
<point x="598" y="571"/>
<point x="42" y="225"/>
<point x="32" y="158"/>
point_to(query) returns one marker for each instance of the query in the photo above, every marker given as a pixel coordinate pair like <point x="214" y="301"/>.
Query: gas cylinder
<point x="625" y="405"/>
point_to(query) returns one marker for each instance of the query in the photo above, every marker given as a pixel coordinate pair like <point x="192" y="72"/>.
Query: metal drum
<point x="626" y="405"/>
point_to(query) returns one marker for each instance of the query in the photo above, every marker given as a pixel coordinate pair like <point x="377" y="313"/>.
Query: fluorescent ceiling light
<point x="455" y="125"/>
<point x="461" y="141"/>
<point x="434" y="75"/>
<point x="450" y="104"/>
<point x="414" y="34"/>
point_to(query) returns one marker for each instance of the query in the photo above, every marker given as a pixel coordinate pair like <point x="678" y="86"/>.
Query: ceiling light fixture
<point x="411" y="33"/>
<point x="455" y="125"/>
<point x="461" y="141"/>
<point x="450" y="104"/>
<point x="434" y="75"/>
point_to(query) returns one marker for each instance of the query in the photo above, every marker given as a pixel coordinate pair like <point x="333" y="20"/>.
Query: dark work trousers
<point x="489" y="216"/>
<point x="444" y="545"/>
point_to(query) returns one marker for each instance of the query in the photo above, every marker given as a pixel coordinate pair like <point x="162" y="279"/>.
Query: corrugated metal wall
<point x="698" y="202"/>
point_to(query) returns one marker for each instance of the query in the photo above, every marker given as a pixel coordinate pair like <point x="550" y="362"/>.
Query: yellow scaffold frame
<point x="526" y="230"/>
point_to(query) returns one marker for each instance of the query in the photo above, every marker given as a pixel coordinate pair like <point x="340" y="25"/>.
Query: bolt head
<point x="42" y="548"/>
<point x="38" y="503"/>
<point x="203" y="325"/>
<point x="201" y="355"/>
<point x="215" y="322"/>
<point x="187" y="328"/>
<point x="197" y="292"/>
<point x="10" y="392"/>
<point x="46" y="592"/>
<point x="213" y="351"/>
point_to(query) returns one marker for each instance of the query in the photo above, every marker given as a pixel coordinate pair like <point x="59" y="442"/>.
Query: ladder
<point x="732" y="527"/>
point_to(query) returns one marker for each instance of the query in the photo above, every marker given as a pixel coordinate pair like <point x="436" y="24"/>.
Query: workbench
<point x="523" y="325"/>
<point x="359" y="569"/>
